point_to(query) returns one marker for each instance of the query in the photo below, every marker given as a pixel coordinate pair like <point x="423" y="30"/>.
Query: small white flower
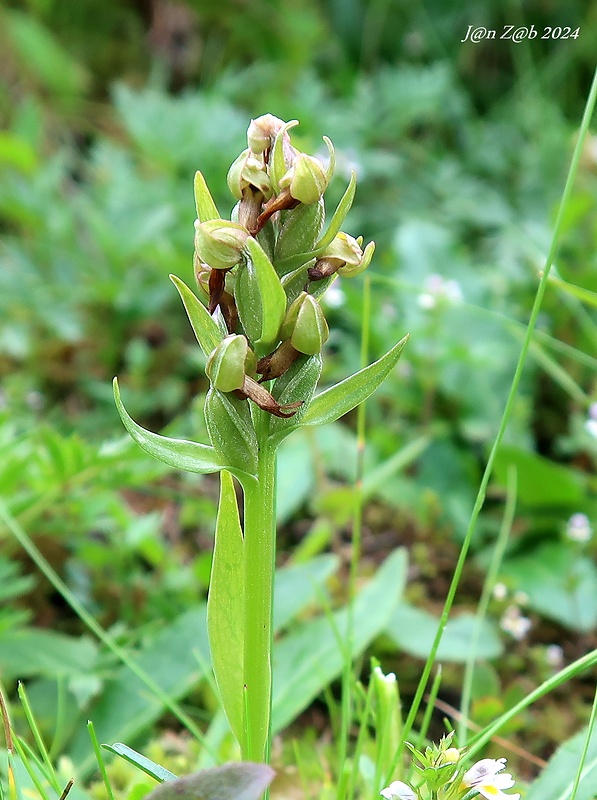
<point x="593" y="411"/>
<point x="500" y="591"/>
<point x="426" y="301"/>
<point x="591" y="426"/>
<point x="334" y="297"/>
<point x="437" y="289"/>
<point x="487" y="778"/>
<point x="554" y="655"/>
<point x="579" y="528"/>
<point x="515" y="623"/>
<point x="390" y="678"/>
<point x="399" y="791"/>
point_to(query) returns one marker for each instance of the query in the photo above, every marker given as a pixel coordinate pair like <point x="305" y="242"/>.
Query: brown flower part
<point x="324" y="268"/>
<point x="261" y="397"/>
<point x="276" y="363"/>
<point x="282" y="202"/>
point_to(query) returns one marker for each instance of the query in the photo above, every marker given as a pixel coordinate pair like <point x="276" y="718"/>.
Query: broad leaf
<point x="177" y="453"/>
<point x="540" y="481"/>
<point x="225" y="607"/>
<point x="557" y="779"/>
<point x="560" y="584"/>
<point x="273" y="296"/>
<point x="175" y="657"/>
<point x="204" y="325"/>
<point x="413" y="631"/>
<point x="346" y="395"/>
<point x="206" y="208"/>
<point x="307" y="661"/>
<point x="240" y="781"/>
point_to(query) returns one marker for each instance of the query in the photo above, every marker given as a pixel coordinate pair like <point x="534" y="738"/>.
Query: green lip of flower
<point x="220" y="243"/>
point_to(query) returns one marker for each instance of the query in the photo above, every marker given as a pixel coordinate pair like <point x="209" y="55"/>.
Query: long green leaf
<point x="205" y="327"/>
<point x="177" y="453"/>
<point x="273" y="296"/>
<point x="206" y="208"/>
<point x="346" y="395"/>
<point x="585" y="295"/>
<point x="224" y="607"/>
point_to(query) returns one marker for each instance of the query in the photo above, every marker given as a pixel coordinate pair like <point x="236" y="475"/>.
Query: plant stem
<point x="260" y="555"/>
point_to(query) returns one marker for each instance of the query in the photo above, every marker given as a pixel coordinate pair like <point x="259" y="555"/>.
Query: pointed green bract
<point x="292" y="262"/>
<point x="204" y="203"/>
<point x="340" y="213"/>
<point x="231" y="430"/>
<point x="225" y="607"/>
<point x="206" y="329"/>
<point x="346" y="395"/>
<point x="273" y="297"/>
<point x="177" y="453"/>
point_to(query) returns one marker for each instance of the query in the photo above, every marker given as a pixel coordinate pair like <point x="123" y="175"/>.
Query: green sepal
<point x="231" y="430"/>
<point x="277" y="163"/>
<point x="342" y="209"/>
<point x="298" y="383"/>
<point x="299" y="232"/>
<point x="338" y="400"/>
<point x="178" y="453"/>
<point x="224" y="611"/>
<point x="205" y="327"/>
<point x="204" y="202"/>
<point x="226" y="365"/>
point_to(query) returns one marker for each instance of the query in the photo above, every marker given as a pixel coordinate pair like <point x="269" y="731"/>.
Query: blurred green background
<point x="461" y="151"/>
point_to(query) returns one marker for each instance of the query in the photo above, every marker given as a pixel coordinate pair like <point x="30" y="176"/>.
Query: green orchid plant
<point x="262" y="329"/>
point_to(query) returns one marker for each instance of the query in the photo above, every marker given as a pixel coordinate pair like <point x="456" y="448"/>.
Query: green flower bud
<point x="306" y="179"/>
<point x="219" y="243"/>
<point x="229" y="363"/>
<point x="262" y="132"/>
<point x="305" y="325"/>
<point x="247" y="171"/>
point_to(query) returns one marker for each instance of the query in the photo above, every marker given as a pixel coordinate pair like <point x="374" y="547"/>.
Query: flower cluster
<point x="443" y="776"/>
<point x="263" y="271"/>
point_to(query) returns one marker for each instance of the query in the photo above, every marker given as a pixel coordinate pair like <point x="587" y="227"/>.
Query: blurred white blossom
<point x="436" y="289"/>
<point x="578" y="528"/>
<point x="515" y="623"/>
<point x="500" y="591"/>
<point x="554" y="655"/>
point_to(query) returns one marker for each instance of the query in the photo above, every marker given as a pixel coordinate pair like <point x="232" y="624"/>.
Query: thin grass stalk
<point x="99" y="757"/>
<point x="585" y="749"/>
<point x="488" y="586"/>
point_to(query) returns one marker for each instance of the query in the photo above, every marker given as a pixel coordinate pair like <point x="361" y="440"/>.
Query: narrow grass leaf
<point x="225" y="608"/>
<point x="338" y="400"/>
<point x="177" y="453"/>
<point x="142" y="762"/>
<point x="205" y="327"/>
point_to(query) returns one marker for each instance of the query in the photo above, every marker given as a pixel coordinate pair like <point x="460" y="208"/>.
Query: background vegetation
<point x="461" y="151"/>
